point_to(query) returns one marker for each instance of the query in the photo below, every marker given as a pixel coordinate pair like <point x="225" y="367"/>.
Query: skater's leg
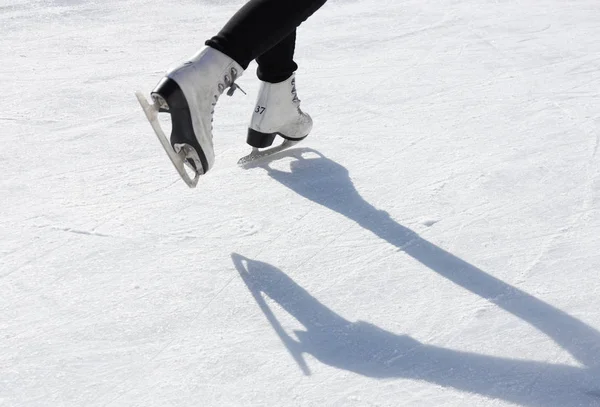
<point x="277" y="110"/>
<point x="265" y="30"/>
<point x="277" y="64"/>
<point x="260" y="25"/>
<point x="190" y="91"/>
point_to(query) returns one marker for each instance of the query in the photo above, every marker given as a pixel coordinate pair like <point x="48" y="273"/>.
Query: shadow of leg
<point x="327" y="183"/>
<point x="368" y="350"/>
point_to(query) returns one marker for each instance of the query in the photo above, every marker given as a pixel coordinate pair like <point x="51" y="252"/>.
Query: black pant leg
<point x="277" y="64"/>
<point x="259" y="26"/>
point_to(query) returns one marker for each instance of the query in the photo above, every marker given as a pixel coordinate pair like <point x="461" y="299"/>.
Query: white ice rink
<point x="434" y="242"/>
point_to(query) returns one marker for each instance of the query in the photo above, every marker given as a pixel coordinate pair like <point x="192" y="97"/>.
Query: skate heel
<point x="169" y="98"/>
<point x="260" y="140"/>
<point x="168" y="95"/>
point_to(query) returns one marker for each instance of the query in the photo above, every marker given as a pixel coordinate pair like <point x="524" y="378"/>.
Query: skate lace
<point x="294" y="92"/>
<point x="228" y="82"/>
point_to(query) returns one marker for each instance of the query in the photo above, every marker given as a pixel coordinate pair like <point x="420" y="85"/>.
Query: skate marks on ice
<point x="371" y="351"/>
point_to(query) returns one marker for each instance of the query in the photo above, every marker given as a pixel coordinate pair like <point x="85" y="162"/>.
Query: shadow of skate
<point x="371" y="351"/>
<point x="368" y="350"/>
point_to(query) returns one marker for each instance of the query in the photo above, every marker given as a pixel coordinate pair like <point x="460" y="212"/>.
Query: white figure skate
<point x="189" y="93"/>
<point x="277" y="112"/>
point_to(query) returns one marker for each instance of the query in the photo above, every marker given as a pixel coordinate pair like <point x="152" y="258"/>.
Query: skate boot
<point x="189" y="93"/>
<point x="277" y="112"/>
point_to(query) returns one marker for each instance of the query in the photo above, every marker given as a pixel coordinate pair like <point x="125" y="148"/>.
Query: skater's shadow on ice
<point x="368" y="350"/>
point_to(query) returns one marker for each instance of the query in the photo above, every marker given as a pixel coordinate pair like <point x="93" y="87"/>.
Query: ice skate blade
<point x="257" y="155"/>
<point x="178" y="158"/>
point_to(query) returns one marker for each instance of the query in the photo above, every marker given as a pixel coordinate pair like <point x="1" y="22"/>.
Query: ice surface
<point x="433" y="242"/>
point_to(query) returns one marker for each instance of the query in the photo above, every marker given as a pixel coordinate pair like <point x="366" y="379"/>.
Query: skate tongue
<point x="233" y="88"/>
